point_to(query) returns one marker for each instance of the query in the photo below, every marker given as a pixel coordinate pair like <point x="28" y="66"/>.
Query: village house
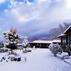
<point x="66" y="39"/>
<point x="43" y="43"/>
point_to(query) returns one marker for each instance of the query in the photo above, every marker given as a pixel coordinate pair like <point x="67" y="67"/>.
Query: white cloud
<point x="25" y="16"/>
<point x="41" y="11"/>
<point x="24" y="12"/>
<point x="44" y="12"/>
<point x="63" y="12"/>
<point x="2" y="1"/>
<point x="22" y="19"/>
<point x="42" y="1"/>
<point x="68" y="4"/>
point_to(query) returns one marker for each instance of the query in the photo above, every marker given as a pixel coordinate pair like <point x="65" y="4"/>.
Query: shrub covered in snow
<point x="10" y="58"/>
<point x="2" y="50"/>
<point x="55" y="49"/>
<point x="12" y="39"/>
<point x="1" y="44"/>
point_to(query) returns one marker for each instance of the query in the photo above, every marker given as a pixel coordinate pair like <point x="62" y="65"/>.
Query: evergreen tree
<point x="12" y="39"/>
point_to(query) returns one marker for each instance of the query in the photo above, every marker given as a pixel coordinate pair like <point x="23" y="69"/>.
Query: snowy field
<point x="37" y="60"/>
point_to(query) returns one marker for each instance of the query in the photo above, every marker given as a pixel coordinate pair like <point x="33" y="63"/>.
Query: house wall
<point x="66" y="40"/>
<point x="39" y="45"/>
<point x="69" y="39"/>
<point x="63" y="41"/>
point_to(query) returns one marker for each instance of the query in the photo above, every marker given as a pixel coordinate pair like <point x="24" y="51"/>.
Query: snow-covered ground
<point x="37" y="60"/>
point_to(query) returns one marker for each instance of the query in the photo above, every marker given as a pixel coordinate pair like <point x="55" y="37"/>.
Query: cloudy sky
<point x="33" y="17"/>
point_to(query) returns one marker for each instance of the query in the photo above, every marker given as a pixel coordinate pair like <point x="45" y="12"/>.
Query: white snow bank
<point x="68" y="61"/>
<point x="62" y="54"/>
<point x="37" y="60"/>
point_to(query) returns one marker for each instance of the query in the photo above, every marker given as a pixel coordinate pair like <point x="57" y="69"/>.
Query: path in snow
<point x="37" y="60"/>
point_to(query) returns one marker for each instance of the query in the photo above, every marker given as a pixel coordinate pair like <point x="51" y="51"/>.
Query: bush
<point x="1" y="44"/>
<point x="2" y="50"/>
<point x="55" y="49"/>
<point x="11" y="46"/>
<point x="12" y="39"/>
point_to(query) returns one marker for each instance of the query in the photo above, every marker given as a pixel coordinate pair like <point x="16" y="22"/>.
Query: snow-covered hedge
<point x="55" y="48"/>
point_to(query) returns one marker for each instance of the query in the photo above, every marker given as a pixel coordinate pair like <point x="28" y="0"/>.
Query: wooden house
<point x="66" y="39"/>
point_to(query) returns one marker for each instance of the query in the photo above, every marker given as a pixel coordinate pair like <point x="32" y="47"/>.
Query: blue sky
<point x="33" y="17"/>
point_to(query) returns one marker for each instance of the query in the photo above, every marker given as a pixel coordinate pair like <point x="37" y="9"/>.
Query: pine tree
<point x="12" y="39"/>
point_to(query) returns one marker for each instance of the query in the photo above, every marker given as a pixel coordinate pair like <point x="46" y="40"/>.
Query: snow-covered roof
<point x="56" y="40"/>
<point x="61" y="35"/>
<point x="41" y="41"/>
<point x="46" y="41"/>
<point x="67" y="29"/>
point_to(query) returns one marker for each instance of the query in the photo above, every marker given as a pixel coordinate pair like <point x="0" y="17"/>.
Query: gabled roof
<point x="46" y="41"/>
<point x="61" y="35"/>
<point x="67" y="30"/>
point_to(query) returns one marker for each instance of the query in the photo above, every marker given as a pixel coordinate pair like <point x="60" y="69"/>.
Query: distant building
<point x="43" y="43"/>
<point x="40" y="43"/>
